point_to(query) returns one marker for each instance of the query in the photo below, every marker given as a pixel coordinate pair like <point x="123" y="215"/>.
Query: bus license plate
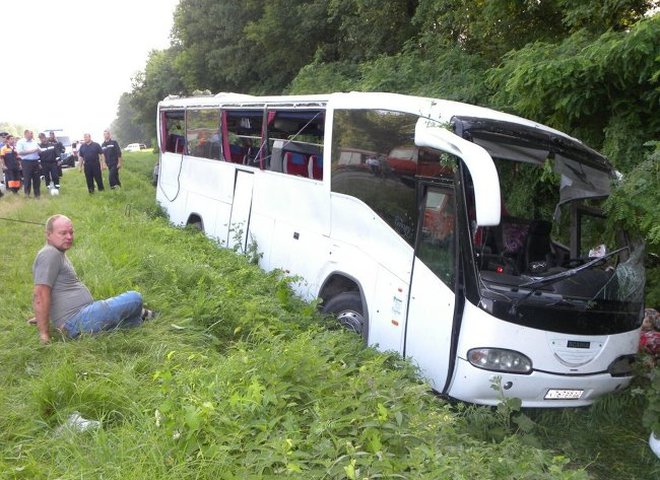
<point x="563" y="394"/>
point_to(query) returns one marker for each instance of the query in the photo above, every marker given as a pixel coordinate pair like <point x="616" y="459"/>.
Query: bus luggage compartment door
<point x="239" y="221"/>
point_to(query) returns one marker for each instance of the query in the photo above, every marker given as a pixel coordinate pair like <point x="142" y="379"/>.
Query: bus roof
<point x="481" y="119"/>
<point x="437" y="109"/>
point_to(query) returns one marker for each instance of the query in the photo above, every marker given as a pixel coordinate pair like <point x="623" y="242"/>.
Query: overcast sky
<point x="68" y="61"/>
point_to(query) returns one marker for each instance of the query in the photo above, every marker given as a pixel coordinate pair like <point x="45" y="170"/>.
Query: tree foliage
<point x="124" y="128"/>
<point x="15" y="129"/>
<point x="634" y="205"/>
<point x="159" y="79"/>
<point x="596" y="87"/>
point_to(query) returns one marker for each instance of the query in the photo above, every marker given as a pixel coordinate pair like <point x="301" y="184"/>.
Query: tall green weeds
<point x="236" y="377"/>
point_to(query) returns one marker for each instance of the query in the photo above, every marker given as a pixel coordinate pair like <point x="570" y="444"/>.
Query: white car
<point x="135" y="147"/>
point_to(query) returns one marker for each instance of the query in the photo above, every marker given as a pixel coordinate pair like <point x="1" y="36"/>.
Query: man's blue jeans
<point x="122" y="311"/>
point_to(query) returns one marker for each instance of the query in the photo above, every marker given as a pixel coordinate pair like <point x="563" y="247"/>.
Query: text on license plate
<point x="563" y="394"/>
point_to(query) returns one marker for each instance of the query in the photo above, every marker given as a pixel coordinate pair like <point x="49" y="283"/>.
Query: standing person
<point x="59" y="151"/>
<point x="48" y="157"/>
<point x="112" y="154"/>
<point x="10" y="164"/>
<point x="61" y="298"/>
<point x="28" y="149"/>
<point x="74" y="152"/>
<point x="91" y="158"/>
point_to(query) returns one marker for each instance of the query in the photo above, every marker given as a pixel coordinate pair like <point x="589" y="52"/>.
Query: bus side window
<point x="374" y="160"/>
<point x="435" y="245"/>
<point x="203" y="133"/>
<point x="173" y="132"/>
<point x="243" y="132"/>
<point x="295" y="140"/>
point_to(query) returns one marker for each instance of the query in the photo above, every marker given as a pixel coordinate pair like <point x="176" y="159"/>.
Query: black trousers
<point x="113" y="175"/>
<point x="31" y="176"/>
<point x="13" y="175"/>
<point x="51" y="173"/>
<point x="93" y="173"/>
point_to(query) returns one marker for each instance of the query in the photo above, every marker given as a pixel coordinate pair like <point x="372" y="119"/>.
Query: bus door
<point x="241" y="207"/>
<point x="431" y="302"/>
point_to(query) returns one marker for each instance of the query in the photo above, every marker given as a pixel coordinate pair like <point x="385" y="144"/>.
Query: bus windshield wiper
<point x="550" y="279"/>
<point x="535" y="285"/>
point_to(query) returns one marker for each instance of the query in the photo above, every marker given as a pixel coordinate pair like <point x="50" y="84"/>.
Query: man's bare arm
<point x="41" y="305"/>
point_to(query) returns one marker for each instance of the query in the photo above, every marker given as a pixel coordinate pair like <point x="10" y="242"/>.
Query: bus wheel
<point x="196" y="226"/>
<point x="347" y="308"/>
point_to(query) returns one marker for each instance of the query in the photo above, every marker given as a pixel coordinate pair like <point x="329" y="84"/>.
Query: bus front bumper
<point x="536" y="390"/>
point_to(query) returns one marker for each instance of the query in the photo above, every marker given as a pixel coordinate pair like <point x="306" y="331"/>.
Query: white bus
<point x="468" y="240"/>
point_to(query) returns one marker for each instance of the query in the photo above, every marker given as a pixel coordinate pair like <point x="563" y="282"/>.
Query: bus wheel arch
<point x="343" y="298"/>
<point x="195" y="222"/>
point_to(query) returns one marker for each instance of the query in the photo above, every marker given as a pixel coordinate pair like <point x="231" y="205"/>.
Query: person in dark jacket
<point x="91" y="159"/>
<point x="10" y="164"/>
<point x="112" y="154"/>
<point x="59" y="151"/>
<point x="48" y="158"/>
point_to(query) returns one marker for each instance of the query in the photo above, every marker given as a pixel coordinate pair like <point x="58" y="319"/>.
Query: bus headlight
<point x="622" y="366"/>
<point x="500" y="360"/>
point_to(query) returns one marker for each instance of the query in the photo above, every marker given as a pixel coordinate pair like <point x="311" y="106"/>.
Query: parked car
<point x="135" y="147"/>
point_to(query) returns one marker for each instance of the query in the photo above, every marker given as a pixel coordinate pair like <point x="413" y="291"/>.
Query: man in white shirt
<point x="28" y="149"/>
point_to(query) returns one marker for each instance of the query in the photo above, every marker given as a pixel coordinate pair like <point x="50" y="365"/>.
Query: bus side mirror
<point x="478" y="162"/>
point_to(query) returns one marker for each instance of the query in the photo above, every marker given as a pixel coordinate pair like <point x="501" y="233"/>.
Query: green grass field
<point x="237" y="378"/>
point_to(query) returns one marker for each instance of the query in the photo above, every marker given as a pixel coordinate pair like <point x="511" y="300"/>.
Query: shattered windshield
<point x="553" y="263"/>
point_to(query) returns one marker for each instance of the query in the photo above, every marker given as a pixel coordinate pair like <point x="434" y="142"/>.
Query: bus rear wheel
<point x="347" y="309"/>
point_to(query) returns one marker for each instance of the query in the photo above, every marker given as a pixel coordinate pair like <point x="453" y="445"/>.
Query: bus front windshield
<point x="553" y="263"/>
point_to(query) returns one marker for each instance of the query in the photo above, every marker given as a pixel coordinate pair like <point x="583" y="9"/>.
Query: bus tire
<point x="195" y="225"/>
<point x="347" y="309"/>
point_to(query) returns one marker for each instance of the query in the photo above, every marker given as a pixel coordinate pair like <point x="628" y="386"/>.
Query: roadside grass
<point x="236" y="377"/>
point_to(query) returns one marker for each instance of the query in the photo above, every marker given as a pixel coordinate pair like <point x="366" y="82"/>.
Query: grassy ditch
<point x="236" y="378"/>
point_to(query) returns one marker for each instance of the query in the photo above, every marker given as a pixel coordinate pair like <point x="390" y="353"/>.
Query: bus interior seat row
<point x="310" y="166"/>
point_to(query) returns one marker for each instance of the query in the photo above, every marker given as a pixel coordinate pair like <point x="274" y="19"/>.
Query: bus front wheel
<point x="347" y="308"/>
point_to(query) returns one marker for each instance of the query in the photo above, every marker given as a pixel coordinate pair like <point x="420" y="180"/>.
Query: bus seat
<point x="236" y="153"/>
<point x="315" y="168"/>
<point x="295" y="164"/>
<point x="175" y="143"/>
<point x="538" y="245"/>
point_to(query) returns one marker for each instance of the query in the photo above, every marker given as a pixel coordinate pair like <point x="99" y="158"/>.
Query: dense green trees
<point x="124" y="129"/>
<point x="159" y="78"/>
<point x="590" y="68"/>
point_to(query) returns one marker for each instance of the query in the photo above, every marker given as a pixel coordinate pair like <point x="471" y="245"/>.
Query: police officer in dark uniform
<point x="59" y="151"/>
<point x="48" y="158"/>
<point x="112" y="154"/>
<point x="91" y="158"/>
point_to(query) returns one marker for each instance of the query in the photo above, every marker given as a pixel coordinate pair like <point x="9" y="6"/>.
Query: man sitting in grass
<point x="61" y="297"/>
